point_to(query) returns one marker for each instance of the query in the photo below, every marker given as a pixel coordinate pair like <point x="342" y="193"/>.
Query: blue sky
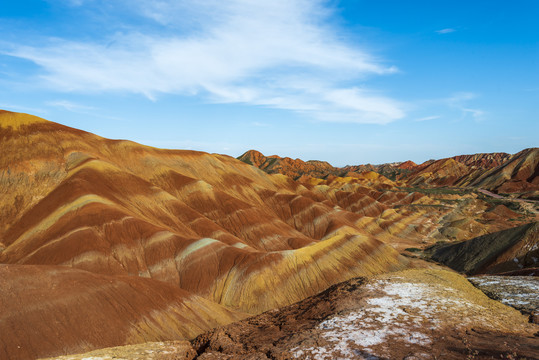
<point x="349" y="82"/>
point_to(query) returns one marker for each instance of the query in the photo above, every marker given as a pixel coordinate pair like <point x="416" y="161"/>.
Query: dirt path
<point x="528" y="205"/>
<point x="488" y="193"/>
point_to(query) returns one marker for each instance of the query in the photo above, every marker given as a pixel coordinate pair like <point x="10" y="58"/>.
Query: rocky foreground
<point x="412" y="314"/>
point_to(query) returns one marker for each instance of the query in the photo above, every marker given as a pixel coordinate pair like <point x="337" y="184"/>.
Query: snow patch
<point x="395" y="312"/>
<point x="516" y="291"/>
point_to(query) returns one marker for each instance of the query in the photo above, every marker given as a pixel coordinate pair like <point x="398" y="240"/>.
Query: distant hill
<point x="498" y="172"/>
<point x="287" y="166"/>
<point x="296" y="168"/>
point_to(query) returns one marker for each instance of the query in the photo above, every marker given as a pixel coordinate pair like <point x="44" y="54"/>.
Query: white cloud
<point x="279" y="54"/>
<point x="445" y="31"/>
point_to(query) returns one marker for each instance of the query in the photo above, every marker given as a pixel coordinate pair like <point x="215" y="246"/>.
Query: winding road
<point x="526" y="204"/>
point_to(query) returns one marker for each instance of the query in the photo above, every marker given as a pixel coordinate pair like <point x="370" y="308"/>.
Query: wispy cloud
<point x="445" y="31"/>
<point x="280" y="54"/>
<point x="25" y="109"/>
<point x="460" y="100"/>
<point x="77" y="108"/>
<point x="259" y="124"/>
<point x="476" y="113"/>
<point x="427" y="118"/>
<point x="455" y="107"/>
<point x="69" y="105"/>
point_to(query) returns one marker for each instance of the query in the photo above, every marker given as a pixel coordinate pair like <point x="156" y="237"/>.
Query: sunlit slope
<point x="210" y="224"/>
<point x="519" y="174"/>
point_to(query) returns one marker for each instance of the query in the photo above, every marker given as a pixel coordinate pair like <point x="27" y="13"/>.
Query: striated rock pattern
<point x="519" y="174"/>
<point x="296" y="168"/>
<point x="209" y="225"/>
<point x="483" y="160"/>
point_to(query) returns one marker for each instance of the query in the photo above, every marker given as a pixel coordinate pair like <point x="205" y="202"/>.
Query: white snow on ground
<point x="511" y="290"/>
<point x="394" y="312"/>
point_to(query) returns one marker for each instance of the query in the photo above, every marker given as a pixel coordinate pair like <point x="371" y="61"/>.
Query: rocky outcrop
<point x="520" y="292"/>
<point x="483" y="160"/>
<point x="395" y="316"/>
<point x="296" y="168"/>
<point x="498" y="172"/>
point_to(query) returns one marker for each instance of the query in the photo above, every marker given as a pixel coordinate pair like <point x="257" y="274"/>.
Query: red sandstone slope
<point x="445" y="172"/>
<point x="407" y="165"/>
<point x="483" y="160"/>
<point x="54" y="310"/>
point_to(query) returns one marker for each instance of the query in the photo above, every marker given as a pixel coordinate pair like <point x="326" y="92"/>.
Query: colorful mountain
<point x="112" y="243"/>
